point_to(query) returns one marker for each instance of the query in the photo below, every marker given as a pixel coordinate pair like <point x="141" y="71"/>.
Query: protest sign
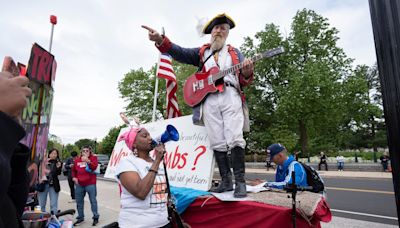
<point x="189" y="161"/>
<point x="36" y="115"/>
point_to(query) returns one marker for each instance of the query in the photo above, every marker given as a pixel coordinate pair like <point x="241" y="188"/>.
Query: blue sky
<point x="96" y="42"/>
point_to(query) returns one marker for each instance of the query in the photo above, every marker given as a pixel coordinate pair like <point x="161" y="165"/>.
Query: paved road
<point x="368" y="199"/>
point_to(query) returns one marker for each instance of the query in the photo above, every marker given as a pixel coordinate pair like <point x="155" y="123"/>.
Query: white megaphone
<point x="169" y="134"/>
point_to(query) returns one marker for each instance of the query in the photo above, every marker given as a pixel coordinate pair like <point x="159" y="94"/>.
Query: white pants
<point x="223" y="119"/>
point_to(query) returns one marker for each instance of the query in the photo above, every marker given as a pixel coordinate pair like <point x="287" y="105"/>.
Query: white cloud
<point x="97" y="42"/>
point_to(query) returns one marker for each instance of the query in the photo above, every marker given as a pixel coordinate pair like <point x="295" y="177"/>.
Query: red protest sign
<point x="40" y="66"/>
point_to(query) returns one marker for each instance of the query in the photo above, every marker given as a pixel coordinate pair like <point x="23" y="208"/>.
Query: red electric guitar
<point x="200" y="84"/>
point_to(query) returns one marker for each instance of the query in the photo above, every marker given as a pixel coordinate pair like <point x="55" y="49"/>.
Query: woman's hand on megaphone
<point x="159" y="151"/>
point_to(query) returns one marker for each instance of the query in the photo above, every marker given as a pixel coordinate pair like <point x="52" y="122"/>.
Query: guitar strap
<point x="201" y="64"/>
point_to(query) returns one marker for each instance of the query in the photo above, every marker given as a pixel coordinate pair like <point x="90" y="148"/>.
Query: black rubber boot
<point x="224" y="172"/>
<point x="237" y="154"/>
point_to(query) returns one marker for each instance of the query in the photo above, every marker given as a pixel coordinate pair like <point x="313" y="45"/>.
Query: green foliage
<point x="54" y="142"/>
<point x="106" y="146"/>
<point x="182" y="71"/>
<point x="297" y="94"/>
<point x="68" y="149"/>
<point x="137" y="88"/>
<point x="84" y="142"/>
<point x="310" y="98"/>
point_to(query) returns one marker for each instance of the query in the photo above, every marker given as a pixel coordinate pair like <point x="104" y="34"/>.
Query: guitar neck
<point x="269" y="53"/>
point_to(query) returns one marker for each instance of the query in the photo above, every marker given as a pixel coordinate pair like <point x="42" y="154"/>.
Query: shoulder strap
<point x="201" y="55"/>
<point x="235" y="60"/>
<point x="234" y="55"/>
<point x="202" y="50"/>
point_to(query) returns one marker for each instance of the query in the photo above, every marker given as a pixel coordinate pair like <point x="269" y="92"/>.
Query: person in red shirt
<point x="85" y="180"/>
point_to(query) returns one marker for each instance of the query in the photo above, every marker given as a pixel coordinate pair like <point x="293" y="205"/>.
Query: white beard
<point x="217" y="43"/>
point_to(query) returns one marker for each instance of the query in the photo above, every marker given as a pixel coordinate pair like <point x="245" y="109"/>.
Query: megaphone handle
<point x="170" y="202"/>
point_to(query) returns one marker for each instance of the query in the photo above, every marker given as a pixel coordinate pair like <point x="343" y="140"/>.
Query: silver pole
<point x="153" y="118"/>
<point x="51" y="37"/>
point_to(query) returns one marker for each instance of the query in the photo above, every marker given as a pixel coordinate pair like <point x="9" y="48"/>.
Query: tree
<point x="54" y="142"/>
<point x="84" y="142"/>
<point x="375" y="120"/>
<point x="364" y="115"/>
<point x="69" y="148"/>
<point x="260" y="95"/>
<point x="106" y="146"/>
<point x="301" y="89"/>
<point x="137" y="88"/>
<point x="309" y="98"/>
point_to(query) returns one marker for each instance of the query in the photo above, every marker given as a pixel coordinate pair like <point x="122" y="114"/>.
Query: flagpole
<point x="153" y="118"/>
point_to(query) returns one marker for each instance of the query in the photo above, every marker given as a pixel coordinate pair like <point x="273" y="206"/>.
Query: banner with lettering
<point x="36" y="115"/>
<point x="189" y="161"/>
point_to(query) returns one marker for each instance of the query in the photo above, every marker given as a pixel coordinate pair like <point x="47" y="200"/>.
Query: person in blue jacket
<point x="285" y="166"/>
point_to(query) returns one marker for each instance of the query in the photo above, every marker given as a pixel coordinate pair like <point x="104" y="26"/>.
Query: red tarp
<point x="216" y="213"/>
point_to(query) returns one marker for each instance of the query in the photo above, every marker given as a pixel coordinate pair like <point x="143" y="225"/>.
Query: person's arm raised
<point x="154" y="35"/>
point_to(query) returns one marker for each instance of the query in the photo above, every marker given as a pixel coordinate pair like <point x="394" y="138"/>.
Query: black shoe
<point x="240" y="190"/>
<point x="238" y="164"/>
<point x="224" y="171"/>
<point x="95" y="221"/>
<point x="225" y="186"/>
<point x="78" y="222"/>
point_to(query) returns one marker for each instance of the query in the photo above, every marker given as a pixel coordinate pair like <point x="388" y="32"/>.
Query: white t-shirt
<point x="340" y="159"/>
<point x="150" y="212"/>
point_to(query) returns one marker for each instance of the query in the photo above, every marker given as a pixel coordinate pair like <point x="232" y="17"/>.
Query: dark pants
<point x="340" y="165"/>
<point x="384" y="166"/>
<point x="71" y="187"/>
<point x="323" y="163"/>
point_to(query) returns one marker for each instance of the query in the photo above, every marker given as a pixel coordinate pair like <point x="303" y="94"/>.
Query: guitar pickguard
<point x="198" y="85"/>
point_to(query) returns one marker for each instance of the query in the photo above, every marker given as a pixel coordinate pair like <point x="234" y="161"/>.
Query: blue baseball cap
<point x="275" y="149"/>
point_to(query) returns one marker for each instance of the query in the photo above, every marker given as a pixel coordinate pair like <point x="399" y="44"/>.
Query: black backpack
<point x="313" y="178"/>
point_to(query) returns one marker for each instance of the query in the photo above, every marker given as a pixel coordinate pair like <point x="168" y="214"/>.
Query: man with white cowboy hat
<point x="223" y="113"/>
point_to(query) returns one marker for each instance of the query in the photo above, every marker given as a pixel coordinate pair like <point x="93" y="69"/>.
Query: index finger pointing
<point x="148" y="28"/>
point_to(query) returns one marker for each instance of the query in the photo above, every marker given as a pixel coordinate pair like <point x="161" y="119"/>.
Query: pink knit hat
<point x="130" y="136"/>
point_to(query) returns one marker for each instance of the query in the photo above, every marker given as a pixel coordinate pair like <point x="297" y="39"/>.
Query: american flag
<point x="166" y="71"/>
